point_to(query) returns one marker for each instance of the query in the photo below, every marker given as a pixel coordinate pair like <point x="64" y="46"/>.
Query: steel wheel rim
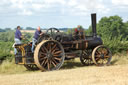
<point x="101" y="55"/>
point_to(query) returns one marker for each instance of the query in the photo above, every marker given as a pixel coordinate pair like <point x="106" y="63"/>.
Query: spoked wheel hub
<point x="49" y="55"/>
<point x="102" y="56"/>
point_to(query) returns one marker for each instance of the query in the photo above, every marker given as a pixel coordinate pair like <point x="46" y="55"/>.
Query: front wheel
<point x="101" y="55"/>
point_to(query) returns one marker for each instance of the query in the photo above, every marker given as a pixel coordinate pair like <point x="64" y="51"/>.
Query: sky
<point x="58" y="13"/>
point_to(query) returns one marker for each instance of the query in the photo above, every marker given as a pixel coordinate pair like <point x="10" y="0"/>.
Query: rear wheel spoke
<point x="58" y="52"/>
<point x="43" y="54"/>
<point x="42" y="49"/>
<point x="43" y="62"/>
<point x="42" y="58"/>
<point x="59" y="59"/>
<point x="48" y="65"/>
<point x="49" y="46"/>
<point x="54" y="47"/>
<point x="56" y="55"/>
<point x="53" y="63"/>
<point x="45" y="48"/>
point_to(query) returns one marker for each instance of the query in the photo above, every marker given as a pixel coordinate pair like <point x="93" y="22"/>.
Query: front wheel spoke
<point x="107" y="56"/>
<point x="97" y="58"/>
<point x="97" y="52"/>
<point x="104" y="52"/>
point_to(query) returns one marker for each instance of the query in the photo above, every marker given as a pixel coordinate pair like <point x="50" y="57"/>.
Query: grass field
<point x="71" y="73"/>
<point x="111" y="75"/>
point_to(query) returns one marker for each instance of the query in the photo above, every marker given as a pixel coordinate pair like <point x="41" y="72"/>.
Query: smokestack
<point x="93" y="17"/>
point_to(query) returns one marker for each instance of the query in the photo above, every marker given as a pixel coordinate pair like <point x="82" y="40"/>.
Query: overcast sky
<point x="58" y="13"/>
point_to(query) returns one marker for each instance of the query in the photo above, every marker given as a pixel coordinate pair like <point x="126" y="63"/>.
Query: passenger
<point x="18" y="38"/>
<point x="37" y="34"/>
<point x="81" y="32"/>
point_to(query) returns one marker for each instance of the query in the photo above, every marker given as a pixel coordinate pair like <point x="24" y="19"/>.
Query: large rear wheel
<point x="49" y="55"/>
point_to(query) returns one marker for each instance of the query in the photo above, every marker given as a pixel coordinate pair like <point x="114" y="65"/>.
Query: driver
<point x="37" y="34"/>
<point x="76" y="32"/>
<point x="81" y="32"/>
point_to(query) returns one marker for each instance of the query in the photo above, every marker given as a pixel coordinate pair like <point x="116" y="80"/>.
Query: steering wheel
<point x="52" y="31"/>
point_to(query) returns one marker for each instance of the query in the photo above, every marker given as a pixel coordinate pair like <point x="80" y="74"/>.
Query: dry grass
<point x="119" y="59"/>
<point x="8" y="67"/>
<point x="71" y="73"/>
<point x="111" y="75"/>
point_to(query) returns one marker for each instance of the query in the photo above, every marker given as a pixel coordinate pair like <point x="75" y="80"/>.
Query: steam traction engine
<point x="53" y="47"/>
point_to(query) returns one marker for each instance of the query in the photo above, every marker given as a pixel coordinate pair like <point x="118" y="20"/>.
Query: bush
<point x="115" y="44"/>
<point x="5" y="50"/>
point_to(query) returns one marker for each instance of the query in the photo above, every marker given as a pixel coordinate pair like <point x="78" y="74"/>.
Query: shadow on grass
<point x="71" y="65"/>
<point x="114" y="61"/>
